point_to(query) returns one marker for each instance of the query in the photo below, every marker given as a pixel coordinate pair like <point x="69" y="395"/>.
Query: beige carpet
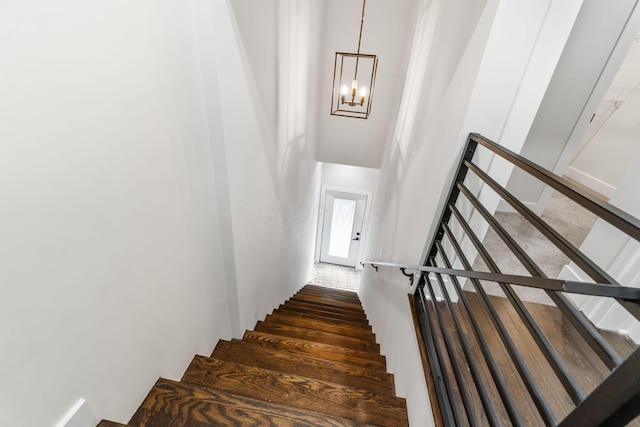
<point x="567" y="218"/>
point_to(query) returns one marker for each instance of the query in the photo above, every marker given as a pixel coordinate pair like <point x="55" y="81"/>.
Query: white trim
<point x="365" y="225"/>
<point x="592" y="182"/>
<point x="80" y="415"/>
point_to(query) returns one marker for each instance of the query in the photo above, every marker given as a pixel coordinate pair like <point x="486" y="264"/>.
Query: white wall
<point x="609" y="149"/>
<point x="481" y="69"/>
<point x="148" y="206"/>
<point x="273" y="178"/>
<point x="359" y="180"/>
<point x="410" y="184"/>
<point x="111" y="266"/>
<point x="347" y="176"/>
<point x="585" y="71"/>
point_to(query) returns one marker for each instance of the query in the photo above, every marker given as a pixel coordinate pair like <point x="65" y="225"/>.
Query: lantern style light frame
<point x="346" y="69"/>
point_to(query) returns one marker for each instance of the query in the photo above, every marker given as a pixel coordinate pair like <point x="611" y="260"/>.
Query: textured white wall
<point x="111" y="261"/>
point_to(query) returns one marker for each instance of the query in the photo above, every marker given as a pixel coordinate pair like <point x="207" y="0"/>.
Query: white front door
<point x="342" y="227"/>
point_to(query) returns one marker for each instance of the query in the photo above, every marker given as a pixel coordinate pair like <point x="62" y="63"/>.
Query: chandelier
<point x="349" y="68"/>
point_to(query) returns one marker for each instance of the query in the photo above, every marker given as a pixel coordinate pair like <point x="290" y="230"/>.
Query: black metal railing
<point x="472" y="385"/>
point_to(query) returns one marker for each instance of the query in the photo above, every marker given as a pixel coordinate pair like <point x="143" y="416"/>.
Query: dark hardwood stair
<point x="312" y="362"/>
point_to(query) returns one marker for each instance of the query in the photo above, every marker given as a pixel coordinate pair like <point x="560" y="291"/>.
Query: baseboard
<point x="593" y="183"/>
<point x="80" y="415"/>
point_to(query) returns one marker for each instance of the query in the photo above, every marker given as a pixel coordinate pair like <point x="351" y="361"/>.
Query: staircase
<point x="313" y="362"/>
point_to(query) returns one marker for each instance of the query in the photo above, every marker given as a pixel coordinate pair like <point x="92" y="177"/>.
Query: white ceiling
<point x="387" y="33"/>
<point x="332" y="26"/>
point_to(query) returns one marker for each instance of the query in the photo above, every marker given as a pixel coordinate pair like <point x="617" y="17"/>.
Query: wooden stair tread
<point x="312" y="362"/>
<point x="171" y="403"/>
<point x="321" y="325"/>
<point x="330" y="297"/>
<point x="333" y="318"/>
<point x="323" y="289"/>
<point x="318" y="350"/>
<point x="318" y="336"/>
<point x="315" y="311"/>
<point x="324" y="302"/>
<point x="294" y="390"/>
<point x="252" y="354"/>
<point x="325" y="308"/>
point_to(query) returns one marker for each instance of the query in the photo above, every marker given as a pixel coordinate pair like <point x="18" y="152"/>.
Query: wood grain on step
<point x="338" y="293"/>
<point x="333" y="318"/>
<point x="321" y="325"/>
<point x="170" y="403"/>
<point x="323" y="308"/>
<point x="361" y="320"/>
<point x="330" y="299"/>
<point x="317" y="336"/>
<point x="297" y="391"/>
<point x="251" y="354"/>
<point x="318" y="350"/>
<point x="320" y="301"/>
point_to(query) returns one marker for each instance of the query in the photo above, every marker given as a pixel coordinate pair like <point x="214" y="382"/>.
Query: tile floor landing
<point x="336" y="276"/>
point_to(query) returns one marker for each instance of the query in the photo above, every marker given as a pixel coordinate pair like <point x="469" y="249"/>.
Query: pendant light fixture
<point x="354" y="76"/>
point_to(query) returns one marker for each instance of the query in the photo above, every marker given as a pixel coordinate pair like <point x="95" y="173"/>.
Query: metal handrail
<point x="449" y="366"/>
<point x="571" y="286"/>
<point x="613" y="215"/>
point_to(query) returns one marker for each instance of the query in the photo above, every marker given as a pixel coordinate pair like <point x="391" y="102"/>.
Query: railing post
<point x="454" y="191"/>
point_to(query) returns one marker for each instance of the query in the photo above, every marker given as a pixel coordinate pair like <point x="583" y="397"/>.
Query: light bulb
<point x="354" y="85"/>
<point x="343" y="93"/>
<point x="363" y="94"/>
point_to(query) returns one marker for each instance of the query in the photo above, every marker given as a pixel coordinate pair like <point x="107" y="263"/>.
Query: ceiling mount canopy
<point x="349" y="69"/>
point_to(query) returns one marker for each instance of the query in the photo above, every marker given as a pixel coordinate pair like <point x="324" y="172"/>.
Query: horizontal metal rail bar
<point x="583" y="288"/>
<point x="585" y="328"/>
<point x="586" y="264"/>
<point x="517" y="359"/>
<point x="614" y="216"/>
<point x="498" y="379"/>
<point x="548" y="350"/>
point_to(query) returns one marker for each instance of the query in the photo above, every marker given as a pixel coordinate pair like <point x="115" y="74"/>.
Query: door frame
<point x="365" y="223"/>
